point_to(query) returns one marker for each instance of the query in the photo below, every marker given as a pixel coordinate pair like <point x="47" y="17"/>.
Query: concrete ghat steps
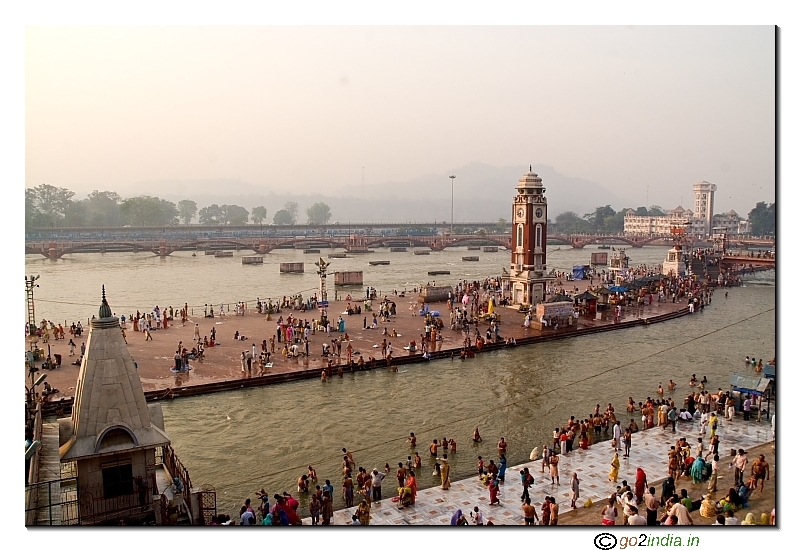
<point x="649" y="451"/>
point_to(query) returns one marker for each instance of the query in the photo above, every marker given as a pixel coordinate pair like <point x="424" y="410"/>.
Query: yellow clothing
<point x="445" y="474"/>
<point x="614" y="468"/>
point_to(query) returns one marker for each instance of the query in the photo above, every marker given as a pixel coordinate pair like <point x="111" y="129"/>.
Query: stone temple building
<point x="116" y="461"/>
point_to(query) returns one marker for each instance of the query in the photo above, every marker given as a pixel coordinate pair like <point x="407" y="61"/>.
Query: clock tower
<point x="528" y="276"/>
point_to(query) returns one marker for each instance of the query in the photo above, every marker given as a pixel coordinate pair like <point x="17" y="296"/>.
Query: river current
<point x="240" y="442"/>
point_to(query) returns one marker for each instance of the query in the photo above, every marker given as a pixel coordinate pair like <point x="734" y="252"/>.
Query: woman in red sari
<point x="640" y="485"/>
<point x="411" y="483"/>
<point x="494" y="488"/>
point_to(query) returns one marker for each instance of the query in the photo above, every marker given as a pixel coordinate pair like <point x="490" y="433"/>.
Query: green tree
<point x="148" y="211"/>
<point x="655" y="211"/>
<point x="210" y="215"/>
<point x="570" y="223"/>
<point x="101" y="209"/>
<point x="48" y="204"/>
<point x="597" y="219"/>
<point x="186" y="210"/>
<point x="292" y="208"/>
<point x="77" y="215"/>
<point x="502" y="225"/>
<point x="233" y="214"/>
<point x="318" y="214"/>
<point x="32" y="212"/>
<point x="762" y="219"/>
<point x="642" y="211"/>
<point x="282" y="217"/>
<point x="258" y="214"/>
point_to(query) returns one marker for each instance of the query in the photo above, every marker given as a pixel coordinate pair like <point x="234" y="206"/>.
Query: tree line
<point x="50" y="206"/>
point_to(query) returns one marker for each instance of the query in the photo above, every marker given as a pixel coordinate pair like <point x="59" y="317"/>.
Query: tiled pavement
<point x="649" y="451"/>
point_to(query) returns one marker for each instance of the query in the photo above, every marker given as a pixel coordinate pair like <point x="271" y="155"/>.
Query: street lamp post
<point x="452" y="180"/>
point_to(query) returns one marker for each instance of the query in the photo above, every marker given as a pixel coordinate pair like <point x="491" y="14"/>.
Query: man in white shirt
<point x="681" y="512"/>
<point x="617" y="436"/>
<point x="377" y="479"/>
<point x="477" y="516"/>
<point x="636" y="518"/>
<point x="730" y="519"/>
<point x="247" y="517"/>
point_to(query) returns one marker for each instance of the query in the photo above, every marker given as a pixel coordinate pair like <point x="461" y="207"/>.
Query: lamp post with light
<point x="452" y="195"/>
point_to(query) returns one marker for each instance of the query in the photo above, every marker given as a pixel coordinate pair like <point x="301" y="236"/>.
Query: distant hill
<point x="482" y="193"/>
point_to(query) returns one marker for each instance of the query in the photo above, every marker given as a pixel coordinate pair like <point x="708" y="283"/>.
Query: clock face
<point x="539" y="212"/>
<point x="521" y="213"/>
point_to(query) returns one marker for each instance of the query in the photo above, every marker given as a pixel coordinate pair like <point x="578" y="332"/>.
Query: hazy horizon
<point x="643" y="112"/>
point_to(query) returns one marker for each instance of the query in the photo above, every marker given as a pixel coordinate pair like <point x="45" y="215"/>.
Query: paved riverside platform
<point x="435" y="506"/>
<point x="222" y="362"/>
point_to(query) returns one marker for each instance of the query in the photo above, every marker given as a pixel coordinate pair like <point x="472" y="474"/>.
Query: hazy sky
<point x="303" y="109"/>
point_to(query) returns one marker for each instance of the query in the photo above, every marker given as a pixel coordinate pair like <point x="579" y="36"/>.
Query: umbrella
<point x="617" y="289"/>
<point x="559" y="298"/>
<point x="603" y="290"/>
<point x="586" y="296"/>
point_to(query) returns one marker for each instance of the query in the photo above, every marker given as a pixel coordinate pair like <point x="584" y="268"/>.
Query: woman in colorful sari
<point x="614" y="473"/>
<point x="458" y="518"/>
<point x="445" y="473"/>
<point x="411" y="483"/>
<point x="749" y="519"/>
<point x="363" y="513"/>
<point x="640" y="485"/>
<point x="494" y="488"/>
<point x="698" y="466"/>
<point x="707" y="507"/>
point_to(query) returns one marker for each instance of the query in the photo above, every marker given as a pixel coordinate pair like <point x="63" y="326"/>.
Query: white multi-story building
<point x="704" y="204"/>
<point x="698" y="222"/>
<point x="652" y="226"/>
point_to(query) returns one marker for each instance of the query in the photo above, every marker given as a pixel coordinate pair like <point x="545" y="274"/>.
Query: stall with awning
<point x="753" y="385"/>
<point x="587" y="302"/>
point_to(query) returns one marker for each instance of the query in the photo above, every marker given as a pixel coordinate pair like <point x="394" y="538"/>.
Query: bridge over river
<point x="357" y="243"/>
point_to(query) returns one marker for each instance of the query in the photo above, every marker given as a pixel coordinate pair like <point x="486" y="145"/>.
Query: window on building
<point x="117" y="480"/>
<point x="519" y="235"/>
<point x="538" y="235"/>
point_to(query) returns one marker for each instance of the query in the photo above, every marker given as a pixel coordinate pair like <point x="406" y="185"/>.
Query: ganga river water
<point x="240" y="442"/>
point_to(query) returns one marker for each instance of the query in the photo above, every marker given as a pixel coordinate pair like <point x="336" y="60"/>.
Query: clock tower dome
<point x="529" y="242"/>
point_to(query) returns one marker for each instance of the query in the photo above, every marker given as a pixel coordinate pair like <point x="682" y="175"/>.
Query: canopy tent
<point x="769" y="371"/>
<point x="559" y="298"/>
<point x="579" y="272"/>
<point x="745" y="383"/>
<point x="753" y="385"/>
<point x="603" y="290"/>
<point x="586" y="296"/>
<point x="617" y="289"/>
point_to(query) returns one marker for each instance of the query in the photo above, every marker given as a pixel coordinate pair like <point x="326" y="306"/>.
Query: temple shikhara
<point x="111" y="461"/>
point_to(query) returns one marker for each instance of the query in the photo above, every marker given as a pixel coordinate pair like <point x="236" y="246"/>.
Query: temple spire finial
<point x="105" y="309"/>
<point x="530" y="168"/>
